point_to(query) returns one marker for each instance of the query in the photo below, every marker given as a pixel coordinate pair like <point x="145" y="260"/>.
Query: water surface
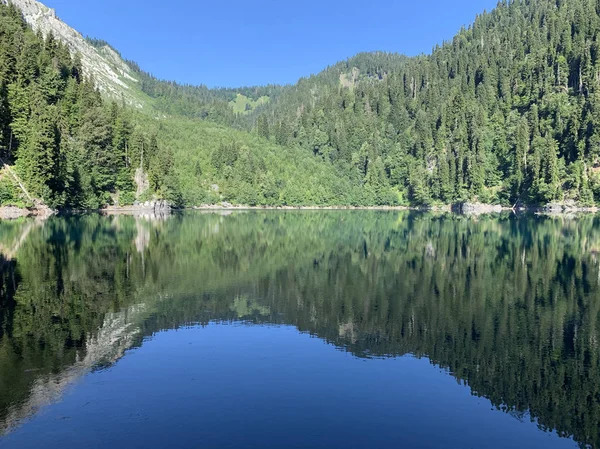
<point x="300" y="329"/>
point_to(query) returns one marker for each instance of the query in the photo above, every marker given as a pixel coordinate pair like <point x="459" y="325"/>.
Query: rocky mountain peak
<point x="111" y="73"/>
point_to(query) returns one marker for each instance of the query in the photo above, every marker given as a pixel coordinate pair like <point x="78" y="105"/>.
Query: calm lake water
<point x="300" y="329"/>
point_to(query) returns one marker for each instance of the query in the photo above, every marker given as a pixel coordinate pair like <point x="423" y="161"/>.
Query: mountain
<point x="123" y="80"/>
<point x="118" y="78"/>
<point x="507" y="112"/>
<point x="70" y="143"/>
<point x="111" y="73"/>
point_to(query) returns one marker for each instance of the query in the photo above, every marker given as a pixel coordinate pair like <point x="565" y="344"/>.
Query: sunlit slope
<point x="215" y="163"/>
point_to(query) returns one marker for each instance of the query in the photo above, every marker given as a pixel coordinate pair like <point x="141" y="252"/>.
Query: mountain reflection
<point x="509" y="305"/>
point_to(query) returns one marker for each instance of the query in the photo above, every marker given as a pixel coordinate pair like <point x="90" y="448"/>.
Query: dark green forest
<point x="69" y="146"/>
<point x="509" y="305"/>
<point x="506" y="112"/>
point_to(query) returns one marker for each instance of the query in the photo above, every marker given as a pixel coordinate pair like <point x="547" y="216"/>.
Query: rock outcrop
<point x="111" y="73"/>
<point x="566" y="207"/>
<point x="154" y="208"/>
<point x="477" y="208"/>
<point x="11" y="212"/>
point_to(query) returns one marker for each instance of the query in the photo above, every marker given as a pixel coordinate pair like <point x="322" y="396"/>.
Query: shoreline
<point x="468" y="209"/>
<point x="14" y="213"/>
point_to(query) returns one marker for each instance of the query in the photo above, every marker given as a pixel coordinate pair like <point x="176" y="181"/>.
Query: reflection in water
<point x="509" y="305"/>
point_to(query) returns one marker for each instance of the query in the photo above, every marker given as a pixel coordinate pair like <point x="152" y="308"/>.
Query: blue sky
<point x="244" y="42"/>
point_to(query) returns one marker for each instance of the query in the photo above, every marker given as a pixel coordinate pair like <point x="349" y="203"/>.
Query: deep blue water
<point x="237" y="385"/>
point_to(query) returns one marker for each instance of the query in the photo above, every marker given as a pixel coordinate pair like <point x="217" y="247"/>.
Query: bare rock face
<point x="477" y="208"/>
<point x="11" y="213"/>
<point x="161" y="206"/>
<point x="141" y="181"/>
<point x="112" y="75"/>
<point x="553" y="208"/>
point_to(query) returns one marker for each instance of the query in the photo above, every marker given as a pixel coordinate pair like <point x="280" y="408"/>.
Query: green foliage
<point x="493" y="114"/>
<point x="126" y="198"/>
<point x="69" y="146"/>
<point x="246" y="169"/>
<point x="508" y="112"/>
<point x="244" y="105"/>
<point x="10" y="195"/>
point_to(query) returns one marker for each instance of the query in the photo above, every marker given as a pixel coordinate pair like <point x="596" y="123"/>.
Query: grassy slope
<point x="241" y="102"/>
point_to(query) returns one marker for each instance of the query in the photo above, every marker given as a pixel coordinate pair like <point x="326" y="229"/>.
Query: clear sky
<point x="249" y="42"/>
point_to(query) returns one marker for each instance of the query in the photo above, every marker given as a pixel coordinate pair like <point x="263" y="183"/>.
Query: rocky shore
<point x="154" y="207"/>
<point x="478" y="208"/>
<point x="229" y="206"/>
<point x="163" y="208"/>
<point x="13" y="212"/>
<point x="567" y="208"/>
<point x="463" y="208"/>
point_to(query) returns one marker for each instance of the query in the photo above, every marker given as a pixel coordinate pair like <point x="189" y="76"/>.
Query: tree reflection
<point x="509" y="305"/>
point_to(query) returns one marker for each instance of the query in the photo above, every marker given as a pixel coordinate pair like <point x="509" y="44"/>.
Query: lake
<point x="296" y="329"/>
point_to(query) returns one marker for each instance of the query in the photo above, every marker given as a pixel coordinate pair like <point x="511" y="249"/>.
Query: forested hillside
<point x="196" y="102"/>
<point x="507" y="112"/>
<point x="74" y="148"/>
<point x="69" y="146"/>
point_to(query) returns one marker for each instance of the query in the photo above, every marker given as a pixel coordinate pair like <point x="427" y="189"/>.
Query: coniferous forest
<point x="69" y="146"/>
<point x="506" y="112"/>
